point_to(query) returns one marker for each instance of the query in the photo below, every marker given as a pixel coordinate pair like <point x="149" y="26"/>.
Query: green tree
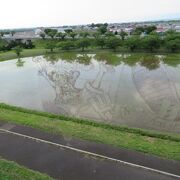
<point x="151" y="42"/>
<point x="113" y="43"/>
<point x="18" y="51"/>
<point x="12" y="33"/>
<point x="171" y="35"/>
<point x="96" y="35"/>
<point x="133" y="42"/>
<point x="42" y="35"/>
<point x="51" y="46"/>
<point x="73" y="35"/>
<point x="84" y="34"/>
<point x="67" y="45"/>
<point x="100" y="42"/>
<point x="102" y="29"/>
<point x="4" y="45"/>
<point x="61" y="35"/>
<point x="83" y="43"/>
<point x="149" y="29"/>
<point x="47" y="31"/>
<point x="138" y="30"/>
<point x="108" y="34"/>
<point x="1" y="33"/>
<point x="68" y="31"/>
<point x="51" y="32"/>
<point x="173" y="45"/>
<point x="123" y="34"/>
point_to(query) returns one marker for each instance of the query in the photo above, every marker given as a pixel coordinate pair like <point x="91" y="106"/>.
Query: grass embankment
<point x="25" y="53"/>
<point x="10" y="170"/>
<point x="164" y="145"/>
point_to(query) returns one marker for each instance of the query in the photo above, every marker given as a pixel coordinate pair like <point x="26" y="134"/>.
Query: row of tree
<point x="8" y="45"/>
<point x="102" y="29"/>
<point x="152" y="42"/>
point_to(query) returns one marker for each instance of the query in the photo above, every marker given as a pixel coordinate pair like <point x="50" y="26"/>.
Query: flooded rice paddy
<point x="134" y="90"/>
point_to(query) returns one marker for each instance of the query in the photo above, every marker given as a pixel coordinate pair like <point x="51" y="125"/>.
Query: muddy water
<point x="123" y="89"/>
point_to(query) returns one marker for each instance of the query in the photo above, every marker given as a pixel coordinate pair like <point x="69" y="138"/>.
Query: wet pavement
<point x="63" y="164"/>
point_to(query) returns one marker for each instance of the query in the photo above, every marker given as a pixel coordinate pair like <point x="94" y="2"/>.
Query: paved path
<point x="62" y="163"/>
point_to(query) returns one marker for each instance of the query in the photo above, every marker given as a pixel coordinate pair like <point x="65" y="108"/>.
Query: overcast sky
<point x="35" y="13"/>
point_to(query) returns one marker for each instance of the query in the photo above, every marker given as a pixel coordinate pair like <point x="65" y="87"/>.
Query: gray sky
<point x="33" y="13"/>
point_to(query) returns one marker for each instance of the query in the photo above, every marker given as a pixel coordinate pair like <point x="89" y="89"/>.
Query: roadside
<point x="162" y="145"/>
<point x="10" y="170"/>
<point x="129" y="156"/>
<point x="63" y="163"/>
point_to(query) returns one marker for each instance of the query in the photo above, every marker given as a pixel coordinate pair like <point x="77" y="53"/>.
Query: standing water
<point x="124" y="89"/>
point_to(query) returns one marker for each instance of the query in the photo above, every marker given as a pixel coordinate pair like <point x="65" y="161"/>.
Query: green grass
<point x="92" y="131"/>
<point x="41" y="50"/>
<point x="12" y="171"/>
<point x="25" y="53"/>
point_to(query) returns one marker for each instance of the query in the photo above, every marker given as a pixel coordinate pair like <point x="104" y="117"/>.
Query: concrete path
<point x="63" y="163"/>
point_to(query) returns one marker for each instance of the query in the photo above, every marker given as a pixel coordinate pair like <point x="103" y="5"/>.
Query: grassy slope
<point x="156" y="146"/>
<point x="143" y="141"/>
<point x="26" y="53"/>
<point x="10" y="170"/>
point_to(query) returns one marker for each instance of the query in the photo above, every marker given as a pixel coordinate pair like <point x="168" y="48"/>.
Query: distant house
<point x="143" y="34"/>
<point x="62" y="29"/>
<point x="30" y="34"/>
<point x="128" y="30"/>
<point x="177" y="28"/>
<point x="38" y="31"/>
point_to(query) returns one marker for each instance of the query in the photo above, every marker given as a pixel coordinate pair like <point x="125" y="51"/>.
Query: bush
<point x="151" y="42"/>
<point x="67" y="45"/>
<point x="113" y="43"/>
<point x="83" y="43"/>
<point x="173" y="45"/>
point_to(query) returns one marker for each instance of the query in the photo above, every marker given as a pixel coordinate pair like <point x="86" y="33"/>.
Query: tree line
<point x="142" y="38"/>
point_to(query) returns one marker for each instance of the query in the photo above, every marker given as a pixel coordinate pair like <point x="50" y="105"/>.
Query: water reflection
<point x="75" y="93"/>
<point x="150" y="62"/>
<point x="20" y="63"/>
<point x="69" y="57"/>
<point x="125" y="89"/>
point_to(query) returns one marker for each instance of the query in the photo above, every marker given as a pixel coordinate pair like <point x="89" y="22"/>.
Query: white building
<point x="177" y="28"/>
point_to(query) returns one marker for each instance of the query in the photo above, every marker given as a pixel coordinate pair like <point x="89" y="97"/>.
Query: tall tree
<point x="123" y="34"/>
<point x="100" y="42"/>
<point x="18" y="51"/>
<point x="173" y="45"/>
<point x="42" y="35"/>
<point x="151" y="42"/>
<point x="73" y="35"/>
<point x="133" y="42"/>
<point x="84" y="34"/>
<point x="83" y="43"/>
<point x="51" y="32"/>
<point x="102" y="29"/>
<point x="61" y="35"/>
<point x="113" y="43"/>
<point x="68" y="31"/>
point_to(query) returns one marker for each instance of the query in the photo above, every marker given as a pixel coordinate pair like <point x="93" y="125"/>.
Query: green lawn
<point x="163" y="145"/>
<point x="25" y="53"/>
<point x="12" y="171"/>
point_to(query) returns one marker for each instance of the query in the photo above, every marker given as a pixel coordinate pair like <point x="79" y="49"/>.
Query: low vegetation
<point x="142" y="39"/>
<point x="164" y="145"/>
<point x="10" y="170"/>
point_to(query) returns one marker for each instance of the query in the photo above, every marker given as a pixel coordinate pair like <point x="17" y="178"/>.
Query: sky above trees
<point x="36" y="13"/>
